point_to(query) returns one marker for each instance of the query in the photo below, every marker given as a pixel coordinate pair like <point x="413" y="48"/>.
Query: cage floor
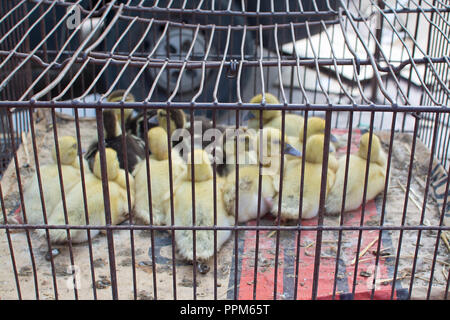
<point x="232" y="282"/>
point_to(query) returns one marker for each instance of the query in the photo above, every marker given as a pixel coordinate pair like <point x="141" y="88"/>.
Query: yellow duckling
<point x="316" y="125"/>
<point x="273" y="118"/>
<point x="270" y="154"/>
<point x="177" y="120"/>
<point x="159" y="177"/>
<point x="50" y="181"/>
<point x="356" y="177"/>
<point x="204" y="210"/>
<point x="95" y="201"/>
<point x="270" y="159"/>
<point x="311" y="187"/>
<point x="253" y="116"/>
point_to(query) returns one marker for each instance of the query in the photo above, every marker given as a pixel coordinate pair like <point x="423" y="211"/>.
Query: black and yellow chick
<point x="177" y="120"/>
<point x="201" y="133"/>
<point x="117" y="96"/>
<point x="136" y="124"/>
<point x="135" y="147"/>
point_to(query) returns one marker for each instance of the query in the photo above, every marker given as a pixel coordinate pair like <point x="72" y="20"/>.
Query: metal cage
<point x="374" y="66"/>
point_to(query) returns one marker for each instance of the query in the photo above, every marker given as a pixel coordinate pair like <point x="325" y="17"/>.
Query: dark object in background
<point x="328" y="8"/>
<point x="175" y="44"/>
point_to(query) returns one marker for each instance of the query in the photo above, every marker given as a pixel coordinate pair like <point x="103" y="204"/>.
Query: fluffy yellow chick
<point x="248" y="182"/>
<point x="273" y="118"/>
<point x="356" y="177"/>
<point x="249" y="177"/>
<point x="51" y="187"/>
<point x="204" y="210"/>
<point x="270" y="154"/>
<point x="268" y="115"/>
<point x="293" y="123"/>
<point x="316" y="125"/>
<point x="312" y="182"/>
<point x="159" y="177"/>
<point x="95" y="201"/>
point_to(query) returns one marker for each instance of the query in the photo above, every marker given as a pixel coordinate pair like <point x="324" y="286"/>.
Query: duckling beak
<point x="333" y="138"/>
<point x="249" y="116"/>
<point x="332" y="148"/>
<point x="153" y="120"/>
<point x="288" y="149"/>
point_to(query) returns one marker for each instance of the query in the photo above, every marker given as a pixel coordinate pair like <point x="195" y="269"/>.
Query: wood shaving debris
<point x="409" y="195"/>
<point x="270" y="234"/>
<point x="362" y="253"/>
<point x="445" y="239"/>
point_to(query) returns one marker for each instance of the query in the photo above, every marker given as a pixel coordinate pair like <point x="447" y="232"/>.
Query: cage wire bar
<point x="375" y="66"/>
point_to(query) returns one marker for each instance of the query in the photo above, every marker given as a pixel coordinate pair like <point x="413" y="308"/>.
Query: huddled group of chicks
<point x="159" y="208"/>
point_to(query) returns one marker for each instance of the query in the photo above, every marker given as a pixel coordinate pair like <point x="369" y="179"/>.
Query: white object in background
<point x="391" y="45"/>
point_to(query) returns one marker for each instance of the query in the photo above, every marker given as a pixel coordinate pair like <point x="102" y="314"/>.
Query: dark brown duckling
<point x="136" y="125"/>
<point x="117" y="96"/>
<point x="180" y="120"/>
<point x="177" y="119"/>
<point x="202" y="124"/>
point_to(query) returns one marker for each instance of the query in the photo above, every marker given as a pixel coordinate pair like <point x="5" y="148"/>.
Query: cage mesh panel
<point x="377" y="66"/>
